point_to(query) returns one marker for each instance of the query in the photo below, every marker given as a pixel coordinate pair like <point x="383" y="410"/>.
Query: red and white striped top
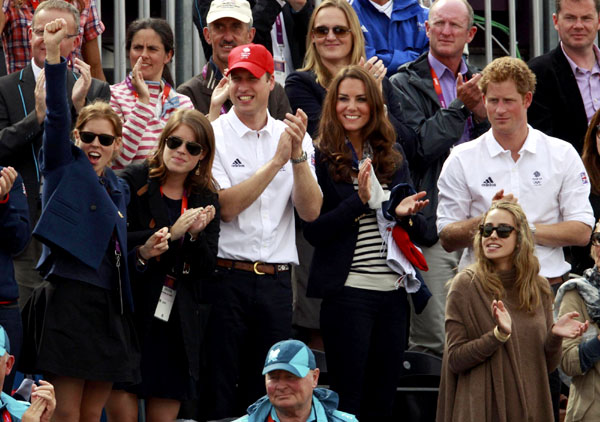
<point x="142" y="123"/>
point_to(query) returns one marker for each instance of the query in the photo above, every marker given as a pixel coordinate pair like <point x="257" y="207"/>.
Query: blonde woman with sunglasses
<point x="501" y="339"/>
<point x="87" y="341"/>
<point x="335" y="40"/>
<point x="173" y="187"/>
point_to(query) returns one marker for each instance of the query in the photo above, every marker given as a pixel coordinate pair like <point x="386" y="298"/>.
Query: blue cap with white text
<point x="292" y="356"/>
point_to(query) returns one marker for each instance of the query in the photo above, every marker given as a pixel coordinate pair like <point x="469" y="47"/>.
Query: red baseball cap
<point x="255" y="58"/>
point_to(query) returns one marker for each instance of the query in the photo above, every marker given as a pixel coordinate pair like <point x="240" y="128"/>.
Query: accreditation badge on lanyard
<point x="169" y="289"/>
<point x="278" y="56"/>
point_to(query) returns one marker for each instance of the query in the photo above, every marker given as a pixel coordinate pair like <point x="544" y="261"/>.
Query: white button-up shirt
<point x="549" y="181"/>
<point x="265" y="230"/>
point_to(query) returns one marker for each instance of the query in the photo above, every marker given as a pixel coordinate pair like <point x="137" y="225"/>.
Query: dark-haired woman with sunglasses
<point x="501" y="339"/>
<point x="581" y="356"/>
<point x="87" y="340"/>
<point x="335" y="40"/>
<point x="174" y="187"/>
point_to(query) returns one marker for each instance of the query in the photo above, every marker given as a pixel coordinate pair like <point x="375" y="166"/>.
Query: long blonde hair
<point x="532" y="287"/>
<point x="312" y="60"/>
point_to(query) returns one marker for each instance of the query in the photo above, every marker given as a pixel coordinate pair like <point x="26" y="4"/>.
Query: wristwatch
<point x="300" y="159"/>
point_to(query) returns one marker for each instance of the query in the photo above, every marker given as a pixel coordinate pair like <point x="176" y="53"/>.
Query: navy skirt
<point x="85" y="336"/>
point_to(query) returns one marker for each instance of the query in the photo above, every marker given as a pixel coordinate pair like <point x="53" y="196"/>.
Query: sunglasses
<point x="502" y="230"/>
<point x="194" y="148"/>
<point x="88" y="138"/>
<point x="338" y="31"/>
<point x="596" y="239"/>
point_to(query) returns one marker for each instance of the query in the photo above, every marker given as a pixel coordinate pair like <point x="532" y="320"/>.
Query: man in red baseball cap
<point x="252" y="57"/>
<point x="265" y="168"/>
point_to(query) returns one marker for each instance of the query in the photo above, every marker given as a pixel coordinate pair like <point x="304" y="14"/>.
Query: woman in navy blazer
<point x="363" y="314"/>
<point x="87" y="342"/>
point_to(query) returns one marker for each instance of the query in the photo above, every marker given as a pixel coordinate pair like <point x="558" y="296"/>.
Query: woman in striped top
<point x="363" y="315"/>
<point x="145" y="100"/>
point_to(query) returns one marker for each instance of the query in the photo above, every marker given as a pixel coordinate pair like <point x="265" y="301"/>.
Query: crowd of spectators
<point x="338" y="172"/>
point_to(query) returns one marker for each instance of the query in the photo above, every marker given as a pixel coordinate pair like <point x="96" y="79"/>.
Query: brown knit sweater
<point x="484" y="380"/>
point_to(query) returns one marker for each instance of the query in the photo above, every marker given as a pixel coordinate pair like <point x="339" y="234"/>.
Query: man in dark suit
<point x="568" y="78"/>
<point x="22" y="112"/>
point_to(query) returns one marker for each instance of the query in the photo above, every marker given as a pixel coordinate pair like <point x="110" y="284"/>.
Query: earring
<point x="197" y="172"/>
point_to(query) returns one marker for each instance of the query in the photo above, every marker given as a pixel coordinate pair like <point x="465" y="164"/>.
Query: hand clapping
<point x="8" y="175"/>
<point x="567" y="326"/>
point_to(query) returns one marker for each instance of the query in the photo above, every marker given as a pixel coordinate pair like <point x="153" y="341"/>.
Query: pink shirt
<point x="588" y="82"/>
<point x="143" y="123"/>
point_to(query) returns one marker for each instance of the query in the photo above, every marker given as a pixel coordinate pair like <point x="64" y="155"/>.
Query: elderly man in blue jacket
<point x="291" y="377"/>
<point x="394" y="30"/>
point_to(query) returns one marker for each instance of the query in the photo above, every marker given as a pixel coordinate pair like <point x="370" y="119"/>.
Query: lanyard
<point x="279" y="30"/>
<point x="165" y="93"/>
<point x="438" y="90"/>
<point x="354" y="156"/>
<point x="185" y="267"/>
<point x="6" y="416"/>
<point x="438" y="87"/>
<point x="367" y="153"/>
<point x="184" y="200"/>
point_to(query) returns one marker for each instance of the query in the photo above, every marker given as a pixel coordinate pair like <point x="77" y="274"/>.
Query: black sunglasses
<point x="194" y="148"/>
<point x="88" y="138"/>
<point x="338" y="31"/>
<point x="596" y="239"/>
<point x="502" y="230"/>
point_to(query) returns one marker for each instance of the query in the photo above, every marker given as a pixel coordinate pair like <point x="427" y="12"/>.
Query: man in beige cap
<point x="229" y="25"/>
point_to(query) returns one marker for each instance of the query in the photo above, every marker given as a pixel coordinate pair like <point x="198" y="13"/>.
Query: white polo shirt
<point x="265" y="230"/>
<point x="549" y="181"/>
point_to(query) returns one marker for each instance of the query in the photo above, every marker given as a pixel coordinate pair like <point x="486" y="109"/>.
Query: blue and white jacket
<point x="323" y="409"/>
<point x="15" y="408"/>
<point x="398" y="40"/>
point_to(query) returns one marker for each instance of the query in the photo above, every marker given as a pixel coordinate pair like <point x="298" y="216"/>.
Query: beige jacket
<point x="584" y="395"/>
